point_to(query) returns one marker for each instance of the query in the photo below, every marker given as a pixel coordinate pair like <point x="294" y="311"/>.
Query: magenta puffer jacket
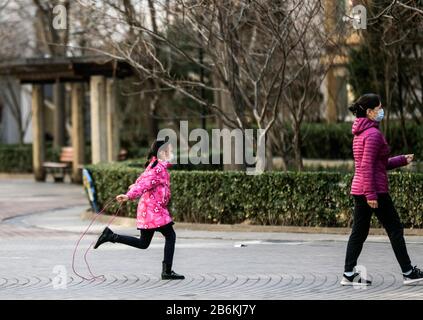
<point x="371" y="159"/>
<point x="153" y="186"/>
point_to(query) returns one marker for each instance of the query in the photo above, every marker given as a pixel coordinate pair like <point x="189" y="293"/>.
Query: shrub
<point x="272" y="198"/>
<point x="334" y="141"/>
<point x="17" y="158"/>
<point x="139" y="164"/>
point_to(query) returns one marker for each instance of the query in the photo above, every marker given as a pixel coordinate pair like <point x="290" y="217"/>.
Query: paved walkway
<point x="40" y="224"/>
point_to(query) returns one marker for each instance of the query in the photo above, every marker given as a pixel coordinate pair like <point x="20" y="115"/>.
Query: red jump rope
<point x="93" y="277"/>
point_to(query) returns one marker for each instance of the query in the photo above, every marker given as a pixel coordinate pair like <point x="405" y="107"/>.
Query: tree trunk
<point x="401" y="107"/>
<point x="269" y="156"/>
<point x="262" y="164"/>
<point x="153" y="123"/>
<point x="297" y="147"/>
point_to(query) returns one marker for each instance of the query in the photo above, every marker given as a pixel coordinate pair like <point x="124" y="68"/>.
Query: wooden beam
<point x="78" y="137"/>
<point x="38" y="144"/>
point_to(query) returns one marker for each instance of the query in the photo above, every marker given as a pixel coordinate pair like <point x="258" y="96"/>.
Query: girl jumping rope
<point x="153" y="189"/>
<point x="370" y="190"/>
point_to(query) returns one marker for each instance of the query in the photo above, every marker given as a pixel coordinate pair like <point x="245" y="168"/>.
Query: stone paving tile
<point x="20" y="197"/>
<point x="213" y="269"/>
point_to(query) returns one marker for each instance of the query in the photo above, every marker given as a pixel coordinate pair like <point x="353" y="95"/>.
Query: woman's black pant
<point x="146" y="235"/>
<point x="388" y="216"/>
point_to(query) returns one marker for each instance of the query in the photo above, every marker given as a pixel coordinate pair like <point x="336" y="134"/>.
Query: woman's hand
<point x="372" y="203"/>
<point x="122" y="198"/>
<point x="409" y="158"/>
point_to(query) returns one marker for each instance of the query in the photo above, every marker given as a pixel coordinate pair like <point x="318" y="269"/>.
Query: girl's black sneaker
<point x="106" y="236"/>
<point x="355" y="280"/>
<point x="416" y="275"/>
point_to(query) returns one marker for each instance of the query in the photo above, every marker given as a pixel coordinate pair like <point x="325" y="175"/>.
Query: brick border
<point x="131" y="222"/>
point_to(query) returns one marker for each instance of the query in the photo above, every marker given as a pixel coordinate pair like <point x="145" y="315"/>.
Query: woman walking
<point x="370" y="190"/>
<point x="153" y="187"/>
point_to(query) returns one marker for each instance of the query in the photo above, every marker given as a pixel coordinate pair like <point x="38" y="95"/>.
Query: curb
<point x="18" y="176"/>
<point x="131" y="222"/>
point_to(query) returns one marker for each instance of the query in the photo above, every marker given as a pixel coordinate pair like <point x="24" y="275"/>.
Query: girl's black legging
<point x="146" y="235"/>
<point x="388" y="216"/>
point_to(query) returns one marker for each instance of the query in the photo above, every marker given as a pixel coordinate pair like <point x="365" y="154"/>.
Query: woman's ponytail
<point x="353" y="108"/>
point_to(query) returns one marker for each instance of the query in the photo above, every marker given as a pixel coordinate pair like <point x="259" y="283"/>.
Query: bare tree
<point x="251" y="48"/>
<point x="319" y="47"/>
<point x="15" y="37"/>
<point x="394" y="46"/>
<point x="51" y="41"/>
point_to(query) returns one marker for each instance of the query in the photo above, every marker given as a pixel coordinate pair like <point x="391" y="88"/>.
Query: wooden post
<point x="330" y="80"/>
<point x="38" y="132"/>
<point x="331" y="96"/>
<point x="112" y="122"/>
<point x="98" y="119"/>
<point x="59" y="114"/>
<point x="78" y="138"/>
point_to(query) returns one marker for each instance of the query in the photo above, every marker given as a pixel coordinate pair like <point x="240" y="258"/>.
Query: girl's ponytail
<point x="149" y="156"/>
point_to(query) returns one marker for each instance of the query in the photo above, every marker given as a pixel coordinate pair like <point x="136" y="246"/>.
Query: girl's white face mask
<point x="171" y="157"/>
<point x="167" y="156"/>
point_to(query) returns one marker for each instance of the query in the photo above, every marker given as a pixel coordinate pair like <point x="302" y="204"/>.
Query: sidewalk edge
<point x="131" y="222"/>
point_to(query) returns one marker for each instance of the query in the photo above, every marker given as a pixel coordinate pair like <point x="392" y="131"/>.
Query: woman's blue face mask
<point x="380" y="115"/>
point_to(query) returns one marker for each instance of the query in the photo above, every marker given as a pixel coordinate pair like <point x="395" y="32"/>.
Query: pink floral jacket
<point x="153" y="187"/>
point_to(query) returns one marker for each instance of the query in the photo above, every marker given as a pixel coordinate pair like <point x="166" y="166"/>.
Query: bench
<point x="60" y="169"/>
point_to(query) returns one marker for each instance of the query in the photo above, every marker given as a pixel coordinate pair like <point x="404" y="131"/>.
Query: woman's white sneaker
<point x="355" y="280"/>
<point x="416" y="275"/>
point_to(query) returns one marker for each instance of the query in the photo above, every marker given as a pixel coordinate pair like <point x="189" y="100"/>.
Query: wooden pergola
<point x="100" y="72"/>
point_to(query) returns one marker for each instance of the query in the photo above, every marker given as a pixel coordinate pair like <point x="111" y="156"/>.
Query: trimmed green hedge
<point x="320" y="141"/>
<point x="273" y="198"/>
<point x="139" y="164"/>
<point x="326" y="141"/>
<point x="334" y="141"/>
<point x="17" y="158"/>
